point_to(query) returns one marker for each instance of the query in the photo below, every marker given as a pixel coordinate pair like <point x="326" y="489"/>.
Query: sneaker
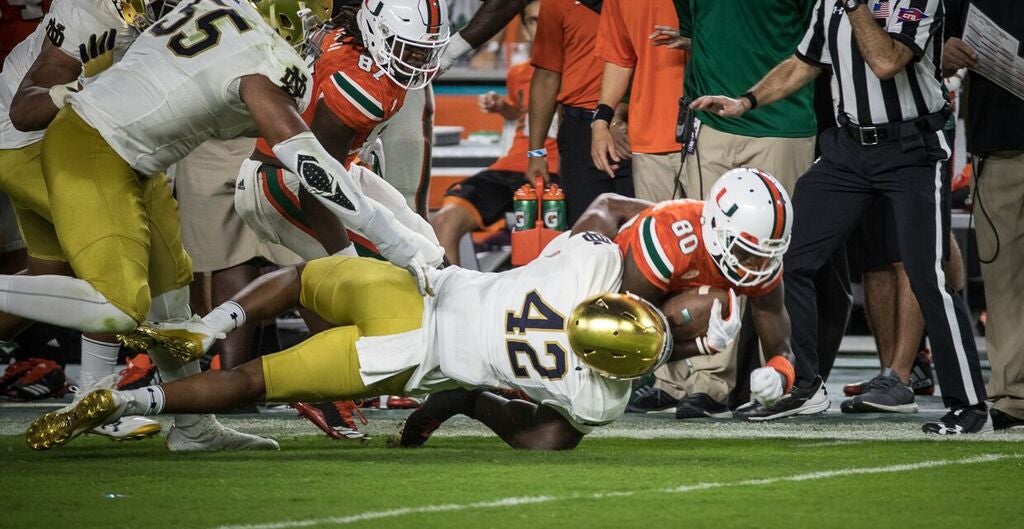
<point x="58" y="427"/>
<point x="856" y="388"/>
<point x="922" y="376"/>
<point x="884" y="393"/>
<point x="701" y="405"/>
<point x="208" y="435"/>
<point x="974" y="419"/>
<point x="648" y="398"/>
<point x="131" y="428"/>
<point x="1004" y="421"/>
<point x="44" y="381"/>
<point x="799" y="401"/>
<point x="333" y="418"/>
<point x="185" y="340"/>
<point x="398" y="402"/>
<point x="14" y="372"/>
<point x="140" y="372"/>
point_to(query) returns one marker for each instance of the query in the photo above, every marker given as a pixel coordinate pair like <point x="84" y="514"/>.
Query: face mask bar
<point x="734" y="247"/>
<point x="413" y="75"/>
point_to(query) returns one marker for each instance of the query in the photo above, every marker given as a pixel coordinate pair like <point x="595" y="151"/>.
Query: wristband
<point x="703" y="347"/>
<point x="537" y="153"/>
<point x="785" y="368"/>
<point x="749" y="96"/>
<point x="604" y="113"/>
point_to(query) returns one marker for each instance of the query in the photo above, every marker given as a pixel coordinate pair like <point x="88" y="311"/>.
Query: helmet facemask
<point x="140" y="14"/>
<point x="748" y="263"/>
<point x="408" y="53"/>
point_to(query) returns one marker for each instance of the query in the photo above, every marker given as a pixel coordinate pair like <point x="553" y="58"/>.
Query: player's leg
<point x="474" y="204"/>
<point x="408" y="141"/>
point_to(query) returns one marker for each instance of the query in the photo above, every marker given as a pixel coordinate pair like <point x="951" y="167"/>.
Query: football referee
<point x="885" y="59"/>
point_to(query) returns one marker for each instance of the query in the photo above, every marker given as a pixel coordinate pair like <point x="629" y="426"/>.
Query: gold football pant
<point x="21" y="177"/>
<point x="119" y="232"/>
<point x="364" y="297"/>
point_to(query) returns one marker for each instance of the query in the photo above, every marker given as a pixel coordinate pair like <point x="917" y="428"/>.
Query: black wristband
<point x="749" y="96"/>
<point x="604" y="113"/>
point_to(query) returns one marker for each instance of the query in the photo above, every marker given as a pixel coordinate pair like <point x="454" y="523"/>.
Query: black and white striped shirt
<point x="856" y="91"/>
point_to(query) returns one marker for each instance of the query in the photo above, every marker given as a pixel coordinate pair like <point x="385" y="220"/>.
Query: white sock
<point x="62" y="301"/>
<point x="226" y="318"/>
<point x="170" y="370"/>
<point x="149" y="400"/>
<point x="98" y="360"/>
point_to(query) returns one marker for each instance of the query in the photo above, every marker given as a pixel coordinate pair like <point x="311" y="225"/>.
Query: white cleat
<point x="132" y="428"/>
<point x="186" y="340"/>
<point x="208" y="435"/>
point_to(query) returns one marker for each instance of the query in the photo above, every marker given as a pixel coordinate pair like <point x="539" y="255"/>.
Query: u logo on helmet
<point x="729" y="207"/>
<point x="375" y="11"/>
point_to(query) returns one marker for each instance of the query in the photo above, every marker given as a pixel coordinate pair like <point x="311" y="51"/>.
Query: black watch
<point x="850" y="5"/>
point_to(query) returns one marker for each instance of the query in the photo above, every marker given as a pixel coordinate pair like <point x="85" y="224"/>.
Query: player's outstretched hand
<point x="721" y="105"/>
<point x="722" y="331"/>
<point x="766" y="385"/>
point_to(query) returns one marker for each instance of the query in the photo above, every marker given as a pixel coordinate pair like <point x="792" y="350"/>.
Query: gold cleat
<point x="58" y="427"/>
<point x="181" y="343"/>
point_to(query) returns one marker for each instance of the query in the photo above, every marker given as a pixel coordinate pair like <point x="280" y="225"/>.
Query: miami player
<point x="101" y="149"/>
<point x="365" y="62"/>
<point x="511" y="330"/>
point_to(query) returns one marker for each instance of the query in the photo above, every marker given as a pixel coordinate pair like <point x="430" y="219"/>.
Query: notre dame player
<point x="209" y="68"/>
<point x="513" y="330"/>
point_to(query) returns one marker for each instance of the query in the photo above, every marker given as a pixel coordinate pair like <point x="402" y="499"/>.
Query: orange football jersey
<point x="353" y="87"/>
<point x="668" y="247"/>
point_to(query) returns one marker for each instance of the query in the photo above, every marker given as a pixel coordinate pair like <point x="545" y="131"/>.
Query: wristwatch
<point x="850" y="5"/>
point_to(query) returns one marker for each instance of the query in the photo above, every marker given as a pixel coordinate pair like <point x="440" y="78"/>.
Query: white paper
<point x="996" y="52"/>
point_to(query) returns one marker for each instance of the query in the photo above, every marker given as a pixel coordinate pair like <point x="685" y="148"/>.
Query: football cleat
<point x="132" y="428"/>
<point x="333" y="418"/>
<point x="208" y="435"/>
<point x="649" y="398"/>
<point x="701" y="405"/>
<point x="14" y="372"/>
<point x="58" y="427"/>
<point x="1004" y="421"/>
<point x="141" y="372"/>
<point x="45" y="380"/>
<point x="799" y="401"/>
<point x="185" y="340"/>
<point x="974" y="419"/>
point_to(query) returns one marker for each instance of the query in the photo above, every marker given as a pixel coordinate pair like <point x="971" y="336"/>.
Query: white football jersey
<point x="507" y="330"/>
<point x="178" y="85"/>
<point x="70" y="25"/>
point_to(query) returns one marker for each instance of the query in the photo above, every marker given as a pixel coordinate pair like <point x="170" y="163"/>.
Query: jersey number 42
<point x="536" y="315"/>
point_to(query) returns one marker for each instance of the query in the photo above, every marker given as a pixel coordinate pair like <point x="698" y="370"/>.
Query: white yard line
<point x="682" y="489"/>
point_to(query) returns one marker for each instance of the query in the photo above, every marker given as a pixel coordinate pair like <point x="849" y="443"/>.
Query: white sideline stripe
<point x="682" y="489"/>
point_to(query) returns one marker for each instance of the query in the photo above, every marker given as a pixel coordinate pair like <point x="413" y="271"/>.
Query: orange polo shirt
<point x="658" y="71"/>
<point x="564" y="43"/>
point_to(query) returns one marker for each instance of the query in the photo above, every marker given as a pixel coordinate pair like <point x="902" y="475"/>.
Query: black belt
<point x="874" y="134"/>
<point x="578" y="112"/>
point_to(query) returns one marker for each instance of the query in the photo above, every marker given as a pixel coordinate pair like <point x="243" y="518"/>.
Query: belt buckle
<point x="868" y="135"/>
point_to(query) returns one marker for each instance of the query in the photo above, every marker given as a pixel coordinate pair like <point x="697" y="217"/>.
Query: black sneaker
<point x="700" y="405"/>
<point x="974" y="419"/>
<point x="884" y="393"/>
<point x="799" y="401"/>
<point x="1004" y="421"/>
<point x="649" y="398"/>
<point x="922" y="376"/>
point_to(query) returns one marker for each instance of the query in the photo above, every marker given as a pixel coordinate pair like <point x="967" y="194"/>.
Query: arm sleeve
<point x="612" y="43"/>
<point x="914" y="26"/>
<point x="547" y="43"/>
<point x="813" y="49"/>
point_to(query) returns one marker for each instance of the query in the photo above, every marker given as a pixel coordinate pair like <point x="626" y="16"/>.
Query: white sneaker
<point x="132" y="428"/>
<point x="209" y="435"/>
<point x="186" y="340"/>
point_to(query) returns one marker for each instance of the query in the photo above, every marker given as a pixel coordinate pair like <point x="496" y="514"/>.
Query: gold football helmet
<point x="619" y="335"/>
<point x="140" y="14"/>
<point x="294" y="19"/>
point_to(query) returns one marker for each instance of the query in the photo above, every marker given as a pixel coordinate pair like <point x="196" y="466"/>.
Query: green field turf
<point x="479" y="482"/>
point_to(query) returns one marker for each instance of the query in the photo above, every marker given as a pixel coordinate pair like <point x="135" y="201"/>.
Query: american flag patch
<point x="880" y="9"/>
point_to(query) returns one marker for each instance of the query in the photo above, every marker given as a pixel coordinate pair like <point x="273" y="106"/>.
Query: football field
<point x="653" y="471"/>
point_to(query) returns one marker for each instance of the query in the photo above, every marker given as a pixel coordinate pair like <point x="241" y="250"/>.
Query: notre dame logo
<point x="293" y="82"/>
<point x="55" y="32"/>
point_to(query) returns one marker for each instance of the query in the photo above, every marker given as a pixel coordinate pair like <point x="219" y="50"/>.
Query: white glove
<point x="423" y="256"/>
<point x="456" y="48"/>
<point x="721" y="332"/>
<point x="766" y="385"/>
<point x="60" y="93"/>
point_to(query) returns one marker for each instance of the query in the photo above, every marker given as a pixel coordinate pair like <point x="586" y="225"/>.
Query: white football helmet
<point x="405" y="37"/>
<point x="746" y="224"/>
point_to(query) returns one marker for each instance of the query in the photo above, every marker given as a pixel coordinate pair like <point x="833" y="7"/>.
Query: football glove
<point x="721" y="332"/>
<point x="766" y="385"/>
<point x="98" y="54"/>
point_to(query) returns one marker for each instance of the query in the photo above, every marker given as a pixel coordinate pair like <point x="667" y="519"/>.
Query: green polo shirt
<point x="737" y="42"/>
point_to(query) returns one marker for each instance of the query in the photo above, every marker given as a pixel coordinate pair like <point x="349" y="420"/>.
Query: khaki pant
<point x="654" y="175"/>
<point x="204" y="182"/>
<point x="785" y="159"/>
<point x="1000" y="188"/>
